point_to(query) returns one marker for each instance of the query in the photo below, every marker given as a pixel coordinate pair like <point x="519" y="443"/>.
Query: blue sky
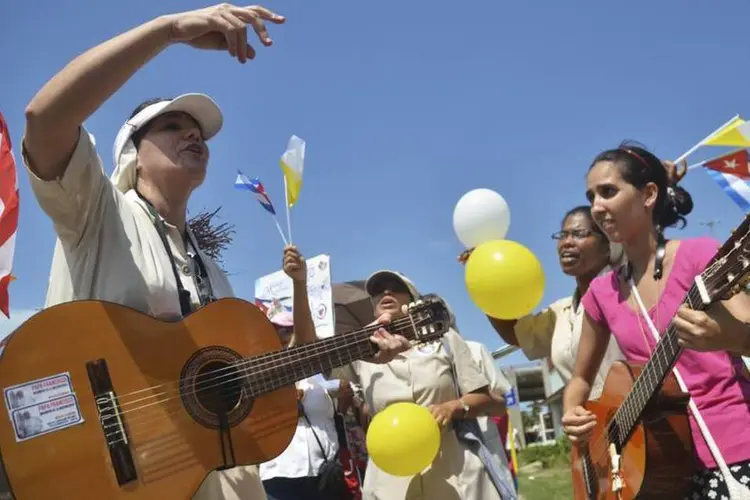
<point x="405" y="106"/>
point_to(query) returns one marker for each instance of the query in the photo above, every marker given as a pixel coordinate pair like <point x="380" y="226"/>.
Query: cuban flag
<point x="254" y="185"/>
<point x="732" y="173"/>
<point x="736" y="188"/>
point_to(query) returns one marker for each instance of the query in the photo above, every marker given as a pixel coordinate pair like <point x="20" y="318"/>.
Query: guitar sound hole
<point x="218" y="387"/>
<point x="212" y="383"/>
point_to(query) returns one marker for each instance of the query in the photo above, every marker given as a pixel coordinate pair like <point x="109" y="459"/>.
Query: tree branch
<point x="212" y="238"/>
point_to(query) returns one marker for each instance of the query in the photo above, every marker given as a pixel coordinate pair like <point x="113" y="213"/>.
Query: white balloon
<point x="481" y="215"/>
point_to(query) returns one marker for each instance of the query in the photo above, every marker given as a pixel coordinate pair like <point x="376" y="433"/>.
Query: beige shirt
<point x="499" y="387"/>
<point x="108" y="249"/>
<point x="556" y="332"/>
<point x="423" y="375"/>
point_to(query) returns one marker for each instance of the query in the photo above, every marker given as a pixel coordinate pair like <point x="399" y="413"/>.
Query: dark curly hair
<point x="638" y="167"/>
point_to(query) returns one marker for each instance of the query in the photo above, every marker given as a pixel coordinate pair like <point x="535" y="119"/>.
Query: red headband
<point x="635" y="155"/>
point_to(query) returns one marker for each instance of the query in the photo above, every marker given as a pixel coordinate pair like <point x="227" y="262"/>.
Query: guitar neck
<point x="651" y="379"/>
<point x="272" y="371"/>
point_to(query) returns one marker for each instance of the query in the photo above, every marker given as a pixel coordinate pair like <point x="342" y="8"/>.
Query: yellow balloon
<point x="403" y="439"/>
<point x="505" y="279"/>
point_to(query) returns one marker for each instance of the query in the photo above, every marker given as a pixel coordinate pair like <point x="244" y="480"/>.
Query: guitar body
<point x="656" y="461"/>
<point x="173" y="439"/>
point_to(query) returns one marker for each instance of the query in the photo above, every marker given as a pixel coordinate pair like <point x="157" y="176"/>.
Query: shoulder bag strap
<point x="183" y="295"/>
<point x="468" y="431"/>
<point x="315" y="435"/>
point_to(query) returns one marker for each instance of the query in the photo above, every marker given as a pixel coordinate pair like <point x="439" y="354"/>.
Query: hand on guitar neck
<point x="389" y="345"/>
<point x="718" y="328"/>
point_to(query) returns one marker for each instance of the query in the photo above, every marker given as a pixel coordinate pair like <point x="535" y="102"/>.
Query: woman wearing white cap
<point x="428" y="375"/>
<point x="125" y="239"/>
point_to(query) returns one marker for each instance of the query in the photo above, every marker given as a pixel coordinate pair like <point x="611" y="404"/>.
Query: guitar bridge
<point x="618" y="483"/>
<point x="110" y="418"/>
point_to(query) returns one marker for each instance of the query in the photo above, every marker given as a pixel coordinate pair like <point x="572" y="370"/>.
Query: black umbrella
<point x="352" y="306"/>
<point x="353" y="310"/>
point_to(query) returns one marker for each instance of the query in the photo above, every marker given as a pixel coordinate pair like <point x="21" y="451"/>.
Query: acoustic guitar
<point x="104" y="402"/>
<point x="642" y="446"/>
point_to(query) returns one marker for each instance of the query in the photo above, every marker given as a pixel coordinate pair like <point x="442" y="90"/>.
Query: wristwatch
<point x="465" y="407"/>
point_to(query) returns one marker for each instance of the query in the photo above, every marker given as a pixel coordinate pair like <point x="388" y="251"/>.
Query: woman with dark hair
<point x="584" y="252"/>
<point x="634" y="200"/>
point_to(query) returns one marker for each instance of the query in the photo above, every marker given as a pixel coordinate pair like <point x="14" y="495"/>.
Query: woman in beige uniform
<point x="423" y="375"/>
<point x="553" y="333"/>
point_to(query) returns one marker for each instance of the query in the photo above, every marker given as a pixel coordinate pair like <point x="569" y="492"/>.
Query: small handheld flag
<point x="737" y="135"/>
<point x="254" y="185"/>
<point x="735" y="163"/>
<point x="711" y="139"/>
<point x="292" y="165"/>
<point x="731" y="172"/>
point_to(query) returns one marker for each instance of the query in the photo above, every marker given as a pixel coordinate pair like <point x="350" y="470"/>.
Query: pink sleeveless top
<point x="716" y="380"/>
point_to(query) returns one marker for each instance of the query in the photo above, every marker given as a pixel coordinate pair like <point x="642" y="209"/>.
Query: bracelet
<point x="466" y="407"/>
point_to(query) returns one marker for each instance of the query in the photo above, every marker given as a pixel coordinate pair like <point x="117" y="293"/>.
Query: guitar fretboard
<point x="652" y="377"/>
<point x="272" y="371"/>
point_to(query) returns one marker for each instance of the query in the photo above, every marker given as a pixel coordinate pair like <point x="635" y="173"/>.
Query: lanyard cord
<point x="202" y="284"/>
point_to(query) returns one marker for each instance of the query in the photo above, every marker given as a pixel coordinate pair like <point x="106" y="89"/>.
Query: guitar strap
<point x="736" y="490"/>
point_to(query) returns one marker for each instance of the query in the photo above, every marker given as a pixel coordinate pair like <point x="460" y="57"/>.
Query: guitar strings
<point x="139" y="425"/>
<point x="269" y="360"/>
<point x="733" y="270"/>
<point x="605" y="436"/>
<point x="237" y="391"/>
<point x="135" y="422"/>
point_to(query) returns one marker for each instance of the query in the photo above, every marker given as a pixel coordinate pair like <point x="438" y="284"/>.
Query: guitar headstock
<point x="429" y="318"/>
<point x="729" y="272"/>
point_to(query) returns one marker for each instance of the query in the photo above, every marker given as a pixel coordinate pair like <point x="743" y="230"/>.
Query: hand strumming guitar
<point x="578" y="423"/>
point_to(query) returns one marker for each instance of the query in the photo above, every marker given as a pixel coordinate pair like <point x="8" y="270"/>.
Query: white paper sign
<point x="274" y="295"/>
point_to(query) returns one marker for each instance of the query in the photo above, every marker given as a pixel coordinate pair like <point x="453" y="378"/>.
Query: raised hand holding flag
<point x="254" y="185"/>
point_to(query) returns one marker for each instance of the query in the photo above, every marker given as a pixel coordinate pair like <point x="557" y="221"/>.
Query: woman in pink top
<point x="633" y="200"/>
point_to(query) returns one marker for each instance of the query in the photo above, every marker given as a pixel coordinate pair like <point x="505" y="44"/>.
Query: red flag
<point x="734" y="163"/>
<point x="8" y="214"/>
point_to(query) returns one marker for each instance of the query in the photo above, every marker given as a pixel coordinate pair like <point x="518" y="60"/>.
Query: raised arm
<point x="56" y="112"/>
<point x="295" y="267"/>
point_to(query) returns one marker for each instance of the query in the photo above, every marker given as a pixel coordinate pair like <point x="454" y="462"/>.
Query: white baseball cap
<point x="378" y="277"/>
<point x="201" y="107"/>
